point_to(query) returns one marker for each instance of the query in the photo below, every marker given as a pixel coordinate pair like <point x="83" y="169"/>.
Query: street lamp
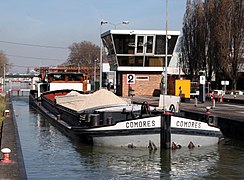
<point x="165" y="80"/>
<point x="4" y="77"/>
<point x="102" y="22"/>
<point x="95" y="71"/>
<point x="166" y="51"/>
<point x="115" y="25"/>
<point x="101" y="52"/>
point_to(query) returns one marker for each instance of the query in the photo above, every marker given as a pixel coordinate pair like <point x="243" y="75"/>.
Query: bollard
<point x="6" y="152"/>
<point x="213" y="104"/>
<point x="109" y="120"/>
<point x="35" y="95"/>
<point x="195" y="101"/>
<point x="6" y="113"/>
<point x="213" y="121"/>
<point x="95" y="120"/>
<point x="208" y="110"/>
<point x="165" y="135"/>
<point x="212" y="98"/>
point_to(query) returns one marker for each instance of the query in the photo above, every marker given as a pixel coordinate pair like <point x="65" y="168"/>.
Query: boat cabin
<point x="138" y="58"/>
<point x="65" y="77"/>
<point x="63" y="80"/>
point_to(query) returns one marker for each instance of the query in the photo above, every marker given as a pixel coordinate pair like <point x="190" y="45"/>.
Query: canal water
<point x="49" y="154"/>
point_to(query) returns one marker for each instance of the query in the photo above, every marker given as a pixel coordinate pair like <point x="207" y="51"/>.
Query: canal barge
<point x="104" y="119"/>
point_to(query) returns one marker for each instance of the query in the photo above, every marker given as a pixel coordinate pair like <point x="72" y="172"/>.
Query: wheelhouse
<point x="138" y="58"/>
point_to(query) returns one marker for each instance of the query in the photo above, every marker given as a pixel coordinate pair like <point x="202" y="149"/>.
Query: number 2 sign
<point x="131" y="78"/>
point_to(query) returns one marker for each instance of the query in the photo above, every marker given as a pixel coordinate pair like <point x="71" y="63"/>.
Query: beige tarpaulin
<point x="79" y="102"/>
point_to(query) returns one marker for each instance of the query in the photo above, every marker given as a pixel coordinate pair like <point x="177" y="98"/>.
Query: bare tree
<point x="210" y="13"/>
<point x="83" y="54"/>
<point x="229" y="36"/>
<point x="213" y="39"/>
<point x="193" y="57"/>
<point x="236" y="46"/>
<point x="186" y="58"/>
<point x="200" y="35"/>
<point x="3" y="61"/>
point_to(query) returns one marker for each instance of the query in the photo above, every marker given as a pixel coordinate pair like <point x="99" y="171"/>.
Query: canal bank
<point x="15" y="168"/>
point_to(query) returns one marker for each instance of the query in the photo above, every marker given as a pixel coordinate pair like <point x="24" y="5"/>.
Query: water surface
<point x="49" y="154"/>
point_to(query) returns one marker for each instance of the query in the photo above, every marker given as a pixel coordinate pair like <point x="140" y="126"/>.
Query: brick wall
<point x="142" y="87"/>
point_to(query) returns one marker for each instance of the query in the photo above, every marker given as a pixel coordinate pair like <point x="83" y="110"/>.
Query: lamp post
<point x="123" y="22"/>
<point x="4" y="76"/>
<point x="165" y="79"/>
<point x="166" y="51"/>
<point x="102" y="22"/>
<point x="101" y="52"/>
<point x="95" y="71"/>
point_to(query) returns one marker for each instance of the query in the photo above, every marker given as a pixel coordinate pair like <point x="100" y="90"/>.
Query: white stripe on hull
<point x="155" y="122"/>
<point x="143" y="140"/>
<point x="125" y="141"/>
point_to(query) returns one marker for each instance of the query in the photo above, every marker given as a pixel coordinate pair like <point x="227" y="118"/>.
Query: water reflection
<point x="140" y="163"/>
<point x="49" y="154"/>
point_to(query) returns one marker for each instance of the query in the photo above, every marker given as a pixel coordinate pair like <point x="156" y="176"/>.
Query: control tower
<point x="138" y="58"/>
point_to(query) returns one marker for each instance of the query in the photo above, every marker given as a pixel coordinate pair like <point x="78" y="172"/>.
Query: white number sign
<point x="131" y="78"/>
<point x="202" y="80"/>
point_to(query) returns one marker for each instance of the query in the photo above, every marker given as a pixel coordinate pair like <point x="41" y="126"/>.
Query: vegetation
<point x="3" y="60"/>
<point x="83" y="54"/>
<point x="213" y="39"/>
<point x="2" y="108"/>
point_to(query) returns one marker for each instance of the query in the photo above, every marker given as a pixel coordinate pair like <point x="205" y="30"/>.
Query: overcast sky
<point x="38" y="32"/>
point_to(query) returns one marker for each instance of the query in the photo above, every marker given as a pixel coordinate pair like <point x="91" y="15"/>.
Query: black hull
<point x="86" y="133"/>
<point x="53" y="119"/>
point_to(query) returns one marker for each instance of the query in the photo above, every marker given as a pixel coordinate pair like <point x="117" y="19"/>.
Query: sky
<point x="37" y="33"/>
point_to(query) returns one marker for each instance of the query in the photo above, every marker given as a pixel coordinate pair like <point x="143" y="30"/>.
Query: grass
<point x="2" y="108"/>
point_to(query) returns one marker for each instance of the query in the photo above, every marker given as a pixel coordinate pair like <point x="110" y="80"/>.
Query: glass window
<point x="74" y="77"/>
<point x="107" y="42"/>
<point x="160" y="44"/>
<point x="130" y="60"/>
<point x="125" y="61"/>
<point x="149" y="44"/>
<point x="171" y="44"/>
<point x="58" y="77"/>
<point x="139" y="61"/>
<point x="124" y="44"/>
<point x="140" y="44"/>
<point x="154" y="61"/>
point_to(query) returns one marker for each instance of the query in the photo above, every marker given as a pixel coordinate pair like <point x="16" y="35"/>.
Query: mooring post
<point x="95" y="120"/>
<point x="195" y="101"/>
<point x="213" y="104"/>
<point x="165" y="135"/>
